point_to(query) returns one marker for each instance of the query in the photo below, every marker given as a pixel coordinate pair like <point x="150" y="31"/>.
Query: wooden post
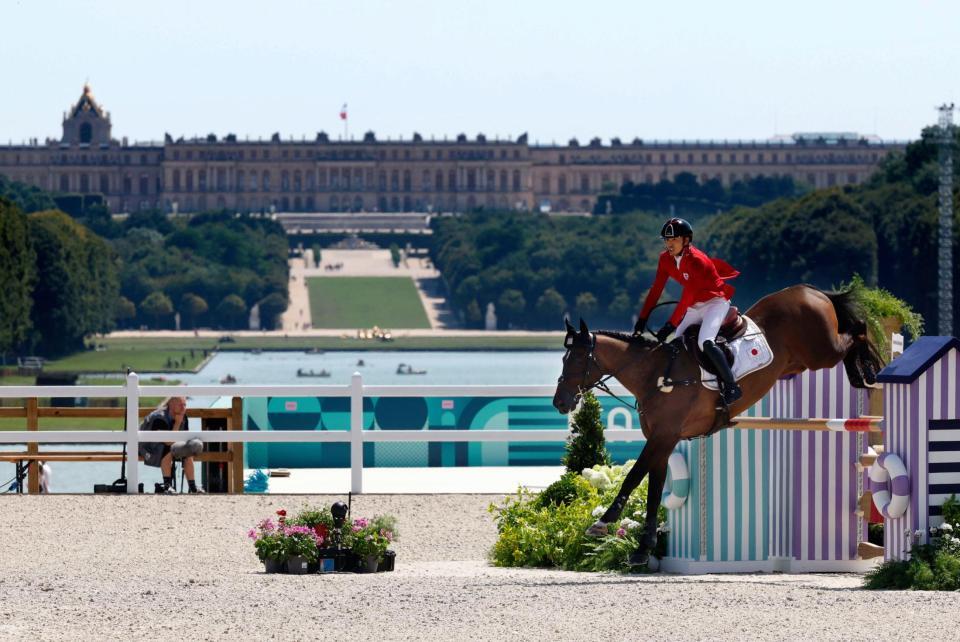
<point x="235" y="475"/>
<point x="33" y="423"/>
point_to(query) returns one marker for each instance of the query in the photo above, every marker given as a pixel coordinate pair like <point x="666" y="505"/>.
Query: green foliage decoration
<point x="586" y="446"/>
<point x="934" y="566"/>
<point x="549" y="532"/>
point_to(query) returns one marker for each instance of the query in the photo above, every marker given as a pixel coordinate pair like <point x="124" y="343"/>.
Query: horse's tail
<point x="852" y="320"/>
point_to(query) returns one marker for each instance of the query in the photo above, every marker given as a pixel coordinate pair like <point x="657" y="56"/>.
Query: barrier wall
<point x="922" y="425"/>
<point x="422" y="413"/>
<point x="772" y="500"/>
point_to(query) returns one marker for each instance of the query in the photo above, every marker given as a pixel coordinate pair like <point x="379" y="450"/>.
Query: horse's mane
<point x="632" y="339"/>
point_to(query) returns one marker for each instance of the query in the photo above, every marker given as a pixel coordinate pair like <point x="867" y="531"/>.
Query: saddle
<point x="733" y="327"/>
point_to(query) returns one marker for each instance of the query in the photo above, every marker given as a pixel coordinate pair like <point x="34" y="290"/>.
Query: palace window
<point x="202" y="180"/>
<point x="253" y="181"/>
<point x="452" y="181"/>
<point x="266" y="181"/>
<point x="503" y="180"/>
<point x="104" y="184"/>
<point x="382" y="181"/>
<point x="562" y="184"/>
<point x="491" y="180"/>
<point x="425" y="181"/>
<point x="84" y="183"/>
<point x="690" y="158"/>
<point x="241" y="179"/>
<point x="746" y="158"/>
<point x="407" y="181"/>
<point x="297" y="181"/>
<point x="760" y="158"/>
<point x="144" y="185"/>
<point x="176" y="180"/>
<point x="516" y="180"/>
<point x="471" y="180"/>
<point x="545" y="185"/>
<point x="584" y="183"/>
<point x="285" y="182"/>
<point x="221" y="180"/>
<point x="189" y="180"/>
<point x="439" y="181"/>
<point x="64" y="183"/>
<point x="395" y="180"/>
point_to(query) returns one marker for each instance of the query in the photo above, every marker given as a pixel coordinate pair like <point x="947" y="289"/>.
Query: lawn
<point x="119" y="359"/>
<point x="363" y="302"/>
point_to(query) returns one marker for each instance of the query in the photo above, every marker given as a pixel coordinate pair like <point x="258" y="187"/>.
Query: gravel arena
<point x="181" y="567"/>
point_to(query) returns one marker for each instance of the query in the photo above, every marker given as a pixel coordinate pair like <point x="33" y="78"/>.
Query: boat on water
<point x="404" y="369"/>
<point x="228" y="379"/>
<point x="310" y="373"/>
<point x="314" y="351"/>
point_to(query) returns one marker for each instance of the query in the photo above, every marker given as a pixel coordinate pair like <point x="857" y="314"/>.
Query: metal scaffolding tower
<point x="945" y="262"/>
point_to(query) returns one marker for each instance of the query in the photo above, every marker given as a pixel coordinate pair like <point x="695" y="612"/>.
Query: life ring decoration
<point x="891" y="501"/>
<point x="679" y="482"/>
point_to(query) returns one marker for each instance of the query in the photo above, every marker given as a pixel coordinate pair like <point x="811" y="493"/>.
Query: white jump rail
<point x="356" y="436"/>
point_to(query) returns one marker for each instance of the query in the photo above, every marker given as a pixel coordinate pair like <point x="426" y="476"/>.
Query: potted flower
<point x="268" y="541"/>
<point x="369" y="543"/>
<point x="300" y="544"/>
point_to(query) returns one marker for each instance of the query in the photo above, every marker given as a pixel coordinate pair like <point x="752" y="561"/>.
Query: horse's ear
<point x="583" y="327"/>
<point x="566" y="322"/>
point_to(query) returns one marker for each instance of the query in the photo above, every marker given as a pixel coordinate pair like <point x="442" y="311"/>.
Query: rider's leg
<point x="714" y="312"/>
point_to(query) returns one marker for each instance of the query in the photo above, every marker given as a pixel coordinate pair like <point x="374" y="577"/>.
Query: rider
<point x="705" y="299"/>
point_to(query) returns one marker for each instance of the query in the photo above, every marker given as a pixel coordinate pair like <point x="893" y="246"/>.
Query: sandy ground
<point x="151" y="567"/>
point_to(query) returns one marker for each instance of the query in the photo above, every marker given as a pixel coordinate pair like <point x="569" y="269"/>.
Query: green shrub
<point x="548" y="530"/>
<point x="931" y="567"/>
<point x="586" y="446"/>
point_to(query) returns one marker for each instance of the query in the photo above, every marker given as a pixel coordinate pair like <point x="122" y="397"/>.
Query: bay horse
<point x="806" y="329"/>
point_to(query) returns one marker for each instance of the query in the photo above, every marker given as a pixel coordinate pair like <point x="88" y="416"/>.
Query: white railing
<point x="132" y="391"/>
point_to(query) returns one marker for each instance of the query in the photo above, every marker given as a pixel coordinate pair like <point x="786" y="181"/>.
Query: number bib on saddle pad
<point x="750" y="353"/>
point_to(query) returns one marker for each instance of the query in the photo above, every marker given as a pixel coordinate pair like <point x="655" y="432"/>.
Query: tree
<point x="17" y="273"/>
<point x="77" y="285"/>
<point x="271" y="307"/>
<point x="586" y="304"/>
<point x="395" y="254"/>
<point x="586" y="446"/>
<point x="511" y="305"/>
<point x="621" y="308"/>
<point x="231" y="312"/>
<point x="192" y="307"/>
<point x="158" y="306"/>
<point x="317" y="250"/>
<point x="550" y="307"/>
<point x="474" y="315"/>
<point x="125" y="311"/>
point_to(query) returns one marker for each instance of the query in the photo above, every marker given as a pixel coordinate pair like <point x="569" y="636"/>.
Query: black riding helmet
<point x="676" y="227"/>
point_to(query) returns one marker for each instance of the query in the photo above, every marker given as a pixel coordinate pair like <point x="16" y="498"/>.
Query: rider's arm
<point x="658" y="283"/>
<point x="701" y="273"/>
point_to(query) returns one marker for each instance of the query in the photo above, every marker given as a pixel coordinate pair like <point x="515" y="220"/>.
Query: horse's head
<point x="580" y="368"/>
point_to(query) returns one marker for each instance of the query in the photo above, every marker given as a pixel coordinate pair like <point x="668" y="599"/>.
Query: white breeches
<point x="710" y="313"/>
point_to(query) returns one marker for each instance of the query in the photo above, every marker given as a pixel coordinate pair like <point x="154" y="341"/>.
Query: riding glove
<point x="640" y="325"/>
<point x="664" y="332"/>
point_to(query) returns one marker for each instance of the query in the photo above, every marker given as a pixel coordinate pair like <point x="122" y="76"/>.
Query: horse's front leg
<point x="652" y="452"/>
<point x="648" y="541"/>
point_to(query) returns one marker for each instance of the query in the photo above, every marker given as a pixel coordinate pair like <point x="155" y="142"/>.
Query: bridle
<point x="665" y="383"/>
<point x="601" y="383"/>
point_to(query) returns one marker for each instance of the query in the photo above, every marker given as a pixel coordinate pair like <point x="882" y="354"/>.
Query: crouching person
<point x="171" y="415"/>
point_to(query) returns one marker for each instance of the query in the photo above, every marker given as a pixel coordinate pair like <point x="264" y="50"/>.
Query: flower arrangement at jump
<point x="934" y="566"/>
<point x="548" y="529"/>
<point x="323" y="540"/>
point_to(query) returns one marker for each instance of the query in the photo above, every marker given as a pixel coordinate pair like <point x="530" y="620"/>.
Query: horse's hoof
<point x="638" y="559"/>
<point x="597" y="529"/>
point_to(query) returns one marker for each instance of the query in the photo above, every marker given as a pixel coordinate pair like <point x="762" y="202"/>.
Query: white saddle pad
<point x="750" y="353"/>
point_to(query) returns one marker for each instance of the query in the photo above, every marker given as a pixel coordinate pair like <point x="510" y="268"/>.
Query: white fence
<point x="132" y="391"/>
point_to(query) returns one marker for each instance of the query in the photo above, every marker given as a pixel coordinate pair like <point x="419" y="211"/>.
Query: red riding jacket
<point x="702" y="279"/>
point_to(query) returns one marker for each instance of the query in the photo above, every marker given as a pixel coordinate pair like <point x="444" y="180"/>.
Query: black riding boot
<point x="729" y="390"/>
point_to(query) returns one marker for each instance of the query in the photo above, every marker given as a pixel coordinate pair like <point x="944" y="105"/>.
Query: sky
<point x="657" y="70"/>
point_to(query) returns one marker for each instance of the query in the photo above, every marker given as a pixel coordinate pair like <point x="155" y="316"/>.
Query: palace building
<point x="414" y="175"/>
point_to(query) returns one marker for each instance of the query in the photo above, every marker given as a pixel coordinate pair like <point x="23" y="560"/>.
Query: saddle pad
<point x="750" y="353"/>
